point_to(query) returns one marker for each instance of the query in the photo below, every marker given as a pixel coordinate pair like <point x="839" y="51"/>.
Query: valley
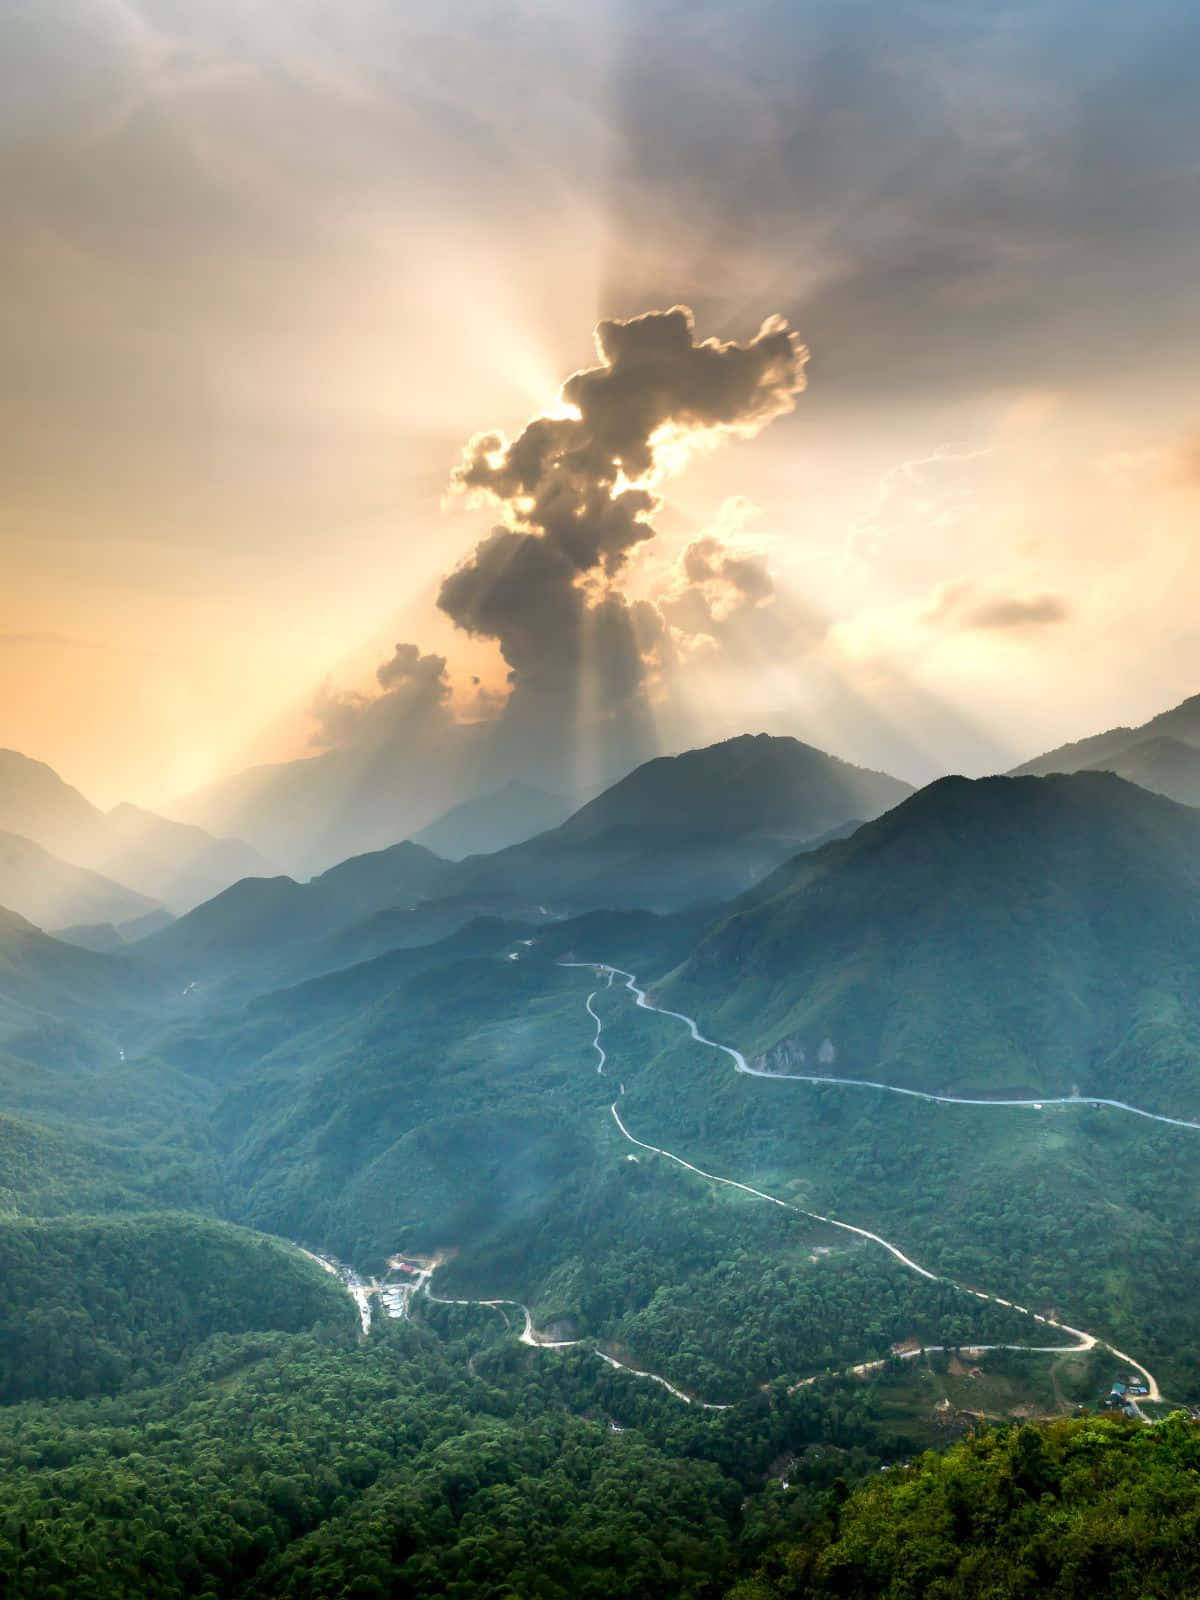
<point x="940" y="1175"/>
<point x="399" y="1300"/>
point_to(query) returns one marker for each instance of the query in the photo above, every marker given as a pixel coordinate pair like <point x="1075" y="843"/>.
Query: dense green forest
<point x="91" y="1305"/>
<point x="450" y="1461"/>
<point x="274" y="1464"/>
<point x="1087" y="1508"/>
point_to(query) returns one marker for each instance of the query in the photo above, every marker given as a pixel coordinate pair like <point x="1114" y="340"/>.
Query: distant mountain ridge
<point x="1163" y="754"/>
<point x="701" y="826"/>
<point x="54" y="894"/>
<point x="156" y="859"/>
<point x="490" y="822"/>
<point x="684" y="829"/>
<point x="260" y="929"/>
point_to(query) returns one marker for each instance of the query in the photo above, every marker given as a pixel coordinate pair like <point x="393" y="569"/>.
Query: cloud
<point x="414" y="691"/>
<point x="1019" y="611"/>
<point x="408" y="671"/>
<point x="576" y="491"/>
<point x="745" y="577"/>
<point x="931" y="491"/>
<point x="958" y="607"/>
<point x="1185" y="460"/>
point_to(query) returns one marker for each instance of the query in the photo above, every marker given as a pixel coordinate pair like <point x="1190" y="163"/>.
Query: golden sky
<point x="270" y="266"/>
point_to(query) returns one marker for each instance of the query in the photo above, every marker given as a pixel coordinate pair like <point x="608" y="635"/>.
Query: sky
<point x="293" y="460"/>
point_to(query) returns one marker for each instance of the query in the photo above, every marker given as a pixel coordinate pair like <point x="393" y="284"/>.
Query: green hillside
<point x="1008" y="936"/>
<point x="1092" y="1507"/>
<point x="93" y="1305"/>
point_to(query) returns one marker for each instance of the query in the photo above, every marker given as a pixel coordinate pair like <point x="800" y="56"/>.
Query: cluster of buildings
<point x="1124" y="1396"/>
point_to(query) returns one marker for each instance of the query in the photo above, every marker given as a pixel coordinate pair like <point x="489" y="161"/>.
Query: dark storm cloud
<point x="947" y="195"/>
<point x="561" y="478"/>
<point x="576" y="495"/>
<point x="407" y="669"/>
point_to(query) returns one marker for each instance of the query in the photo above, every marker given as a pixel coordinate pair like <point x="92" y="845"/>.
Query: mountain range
<point x="160" y="861"/>
<point x="677" y="831"/>
<point x="436" y="1057"/>
<point x="1163" y="754"/>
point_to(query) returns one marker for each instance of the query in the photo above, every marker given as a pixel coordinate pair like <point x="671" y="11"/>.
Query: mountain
<point x="169" y="862"/>
<point x="53" y="893"/>
<point x="1163" y="754"/>
<point x="683" y="829"/>
<point x="46" y="983"/>
<point x="311" y="813"/>
<point x="490" y="822"/>
<point x="1010" y="1512"/>
<point x="181" y="865"/>
<point x="260" y="931"/>
<point x="36" y="804"/>
<point x="1005" y="935"/>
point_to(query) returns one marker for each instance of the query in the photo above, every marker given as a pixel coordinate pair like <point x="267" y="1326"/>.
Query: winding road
<point x="958" y="1100"/>
<point x="1084" y="1341"/>
<point x="530" y="1336"/>
<point x="399" y="1302"/>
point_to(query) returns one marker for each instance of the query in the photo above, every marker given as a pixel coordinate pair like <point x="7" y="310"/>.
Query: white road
<point x="538" y="1341"/>
<point x="1084" y="1340"/>
<point x="741" y="1065"/>
<point x="958" y="1100"/>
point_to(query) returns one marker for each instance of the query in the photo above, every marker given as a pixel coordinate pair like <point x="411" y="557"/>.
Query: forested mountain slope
<point x="267" y="931"/>
<point x="1002" y="936"/>
<point x="93" y="1305"/>
<point x="1093" y="1507"/>
<point x="43" y="980"/>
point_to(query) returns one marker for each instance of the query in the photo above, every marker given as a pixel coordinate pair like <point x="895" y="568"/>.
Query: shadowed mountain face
<point x="679" y="831"/>
<point x="157" y="859"/>
<point x="266" y="931"/>
<point x="1162" y="755"/>
<point x="493" y="821"/>
<point x="756" y="784"/>
<point x="684" y="829"/>
<point x="1028" y="935"/>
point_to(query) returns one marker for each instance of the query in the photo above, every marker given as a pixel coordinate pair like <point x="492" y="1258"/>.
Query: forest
<point x="1091" y="1507"/>
<point x="187" y="1407"/>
